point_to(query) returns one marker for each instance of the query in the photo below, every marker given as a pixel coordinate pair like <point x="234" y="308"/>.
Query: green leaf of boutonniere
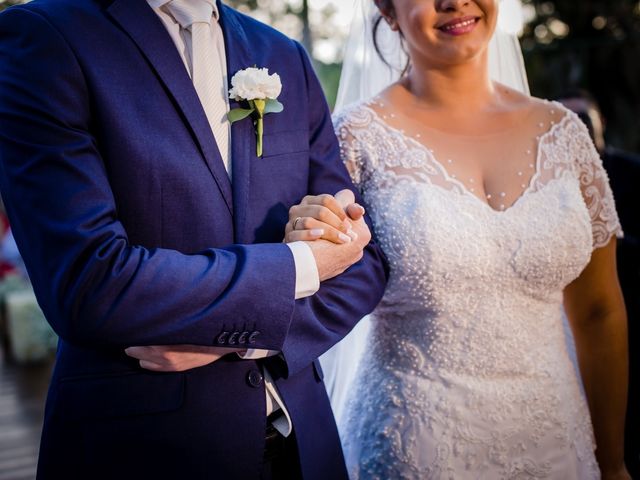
<point x="273" y="106"/>
<point x="238" y="114"/>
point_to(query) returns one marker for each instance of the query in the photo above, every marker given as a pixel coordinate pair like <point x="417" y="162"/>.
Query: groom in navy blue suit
<point x="138" y="230"/>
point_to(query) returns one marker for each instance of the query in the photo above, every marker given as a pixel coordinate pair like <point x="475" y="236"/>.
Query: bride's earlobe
<point x="391" y="21"/>
<point x="393" y="24"/>
<point x="386" y="11"/>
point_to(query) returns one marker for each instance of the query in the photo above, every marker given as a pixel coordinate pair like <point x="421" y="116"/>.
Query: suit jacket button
<point x="243" y="338"/>
<point x="254" y="335"/>
<point x="255" y="378"/>
<point x="222" y="338"/>
<point x="233" y="338"/>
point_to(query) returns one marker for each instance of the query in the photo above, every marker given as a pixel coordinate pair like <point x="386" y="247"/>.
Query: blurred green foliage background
<point x="589" y="44"/>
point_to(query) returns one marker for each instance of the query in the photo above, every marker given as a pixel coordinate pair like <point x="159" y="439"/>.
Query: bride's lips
<point x="459" y="26"/>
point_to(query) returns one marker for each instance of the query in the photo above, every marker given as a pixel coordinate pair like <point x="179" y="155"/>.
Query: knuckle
<point x="326" y="200"/>
<point x="166" y="356"/>
<point x="294" y="212"/>
<point x="323" y="215"/>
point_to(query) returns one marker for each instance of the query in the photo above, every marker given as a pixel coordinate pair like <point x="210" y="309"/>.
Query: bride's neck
<point x="465" y="87"/>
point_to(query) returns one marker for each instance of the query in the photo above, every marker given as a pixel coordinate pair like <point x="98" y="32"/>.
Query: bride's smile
<point x="459" y="26"/>
<point x="442" y="32"/>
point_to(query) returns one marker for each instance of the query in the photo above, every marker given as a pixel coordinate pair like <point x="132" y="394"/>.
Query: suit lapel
<point x="242" y="132"/>
<point x="148" y="32"/>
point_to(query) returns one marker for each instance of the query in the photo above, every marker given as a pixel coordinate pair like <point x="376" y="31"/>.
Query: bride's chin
<point x="457" y="59"/>
<point x="460" y="55"/>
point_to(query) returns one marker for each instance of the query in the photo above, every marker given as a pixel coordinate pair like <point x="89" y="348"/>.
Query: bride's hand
<point x="324" y="216"/>
<point x="619" y="474"/>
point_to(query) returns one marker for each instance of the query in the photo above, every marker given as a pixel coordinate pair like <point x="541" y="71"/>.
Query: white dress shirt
<point x="307" y="277"/>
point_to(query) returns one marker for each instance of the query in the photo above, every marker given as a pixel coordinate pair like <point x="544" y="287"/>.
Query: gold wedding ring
<point x="295" y="222"/>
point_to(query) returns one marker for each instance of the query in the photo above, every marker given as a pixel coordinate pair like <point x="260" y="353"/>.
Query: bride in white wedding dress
<point x="495" y="214"/>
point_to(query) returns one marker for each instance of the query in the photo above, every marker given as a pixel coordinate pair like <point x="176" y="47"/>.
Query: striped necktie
<point x="195" y="17"/>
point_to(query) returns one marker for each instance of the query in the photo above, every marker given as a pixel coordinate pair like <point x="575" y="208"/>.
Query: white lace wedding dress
<point x="466" y="373"/>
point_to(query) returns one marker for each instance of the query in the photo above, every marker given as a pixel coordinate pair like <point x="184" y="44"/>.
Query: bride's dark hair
<point x="387" y="6"/>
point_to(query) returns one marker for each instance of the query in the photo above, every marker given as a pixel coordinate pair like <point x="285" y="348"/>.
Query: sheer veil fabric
<point x="365" y="74"/>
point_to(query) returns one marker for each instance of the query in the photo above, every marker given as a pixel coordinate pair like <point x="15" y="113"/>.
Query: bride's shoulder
<point x="354" y="116"/>
<point x="538" y="113"/>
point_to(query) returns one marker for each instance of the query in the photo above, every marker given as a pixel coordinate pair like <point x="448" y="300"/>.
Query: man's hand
<point x="333" y="227"/>
<point x="177" y="358"/>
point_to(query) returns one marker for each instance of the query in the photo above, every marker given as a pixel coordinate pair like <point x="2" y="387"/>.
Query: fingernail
<point x="317" y="232"/>
<point x="344" y="238"/>
<point x="347" y="225"/>
<point x="362" y="209"/>
<point x="352" y="234"/>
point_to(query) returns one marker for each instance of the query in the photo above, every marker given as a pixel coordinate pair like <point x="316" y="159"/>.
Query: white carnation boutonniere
<point x="259" y="90"/>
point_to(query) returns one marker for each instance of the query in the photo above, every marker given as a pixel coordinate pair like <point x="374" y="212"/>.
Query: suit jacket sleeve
<point x="93" y="285"/>
<point x="325" y="318"/>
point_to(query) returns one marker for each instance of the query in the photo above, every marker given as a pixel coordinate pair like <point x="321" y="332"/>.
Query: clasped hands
<point x="334" y="229"/>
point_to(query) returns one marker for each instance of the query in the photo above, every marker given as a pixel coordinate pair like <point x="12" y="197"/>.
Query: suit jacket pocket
<point x="120" y="396"/>
<point x="285" y="143"/>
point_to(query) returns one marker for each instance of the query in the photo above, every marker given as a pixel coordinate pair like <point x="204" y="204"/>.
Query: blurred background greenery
<point x="590" y="44"/>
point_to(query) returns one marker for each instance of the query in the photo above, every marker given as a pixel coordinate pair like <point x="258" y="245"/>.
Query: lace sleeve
<point x="596" y="190"/>
<point x="350" y="150"/>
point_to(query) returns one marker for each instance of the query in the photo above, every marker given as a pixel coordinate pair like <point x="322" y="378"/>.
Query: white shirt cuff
<point x="307" y="276"/>
<point x="283" y="424"/>
<point x="256" y="354"/>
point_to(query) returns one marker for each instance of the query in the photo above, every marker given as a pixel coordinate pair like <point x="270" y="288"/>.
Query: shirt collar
<point x="162" y="3"/>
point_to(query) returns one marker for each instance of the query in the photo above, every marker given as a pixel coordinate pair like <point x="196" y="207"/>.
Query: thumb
<point x="345" y="197"/>
<point x="355" y="211"/>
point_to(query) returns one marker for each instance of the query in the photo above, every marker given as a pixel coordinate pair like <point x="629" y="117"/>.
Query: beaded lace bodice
<point x="466" y="373"/>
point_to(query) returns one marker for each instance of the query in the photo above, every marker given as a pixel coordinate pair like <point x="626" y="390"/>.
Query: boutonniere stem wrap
<point x="259" y="92"/>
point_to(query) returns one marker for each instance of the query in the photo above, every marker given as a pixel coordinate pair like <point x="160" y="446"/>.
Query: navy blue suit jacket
<point x="133" y="234"/>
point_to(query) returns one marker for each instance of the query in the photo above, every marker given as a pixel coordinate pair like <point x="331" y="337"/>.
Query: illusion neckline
<point x="468" y="137"/>
<point x="462" y="188"/>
